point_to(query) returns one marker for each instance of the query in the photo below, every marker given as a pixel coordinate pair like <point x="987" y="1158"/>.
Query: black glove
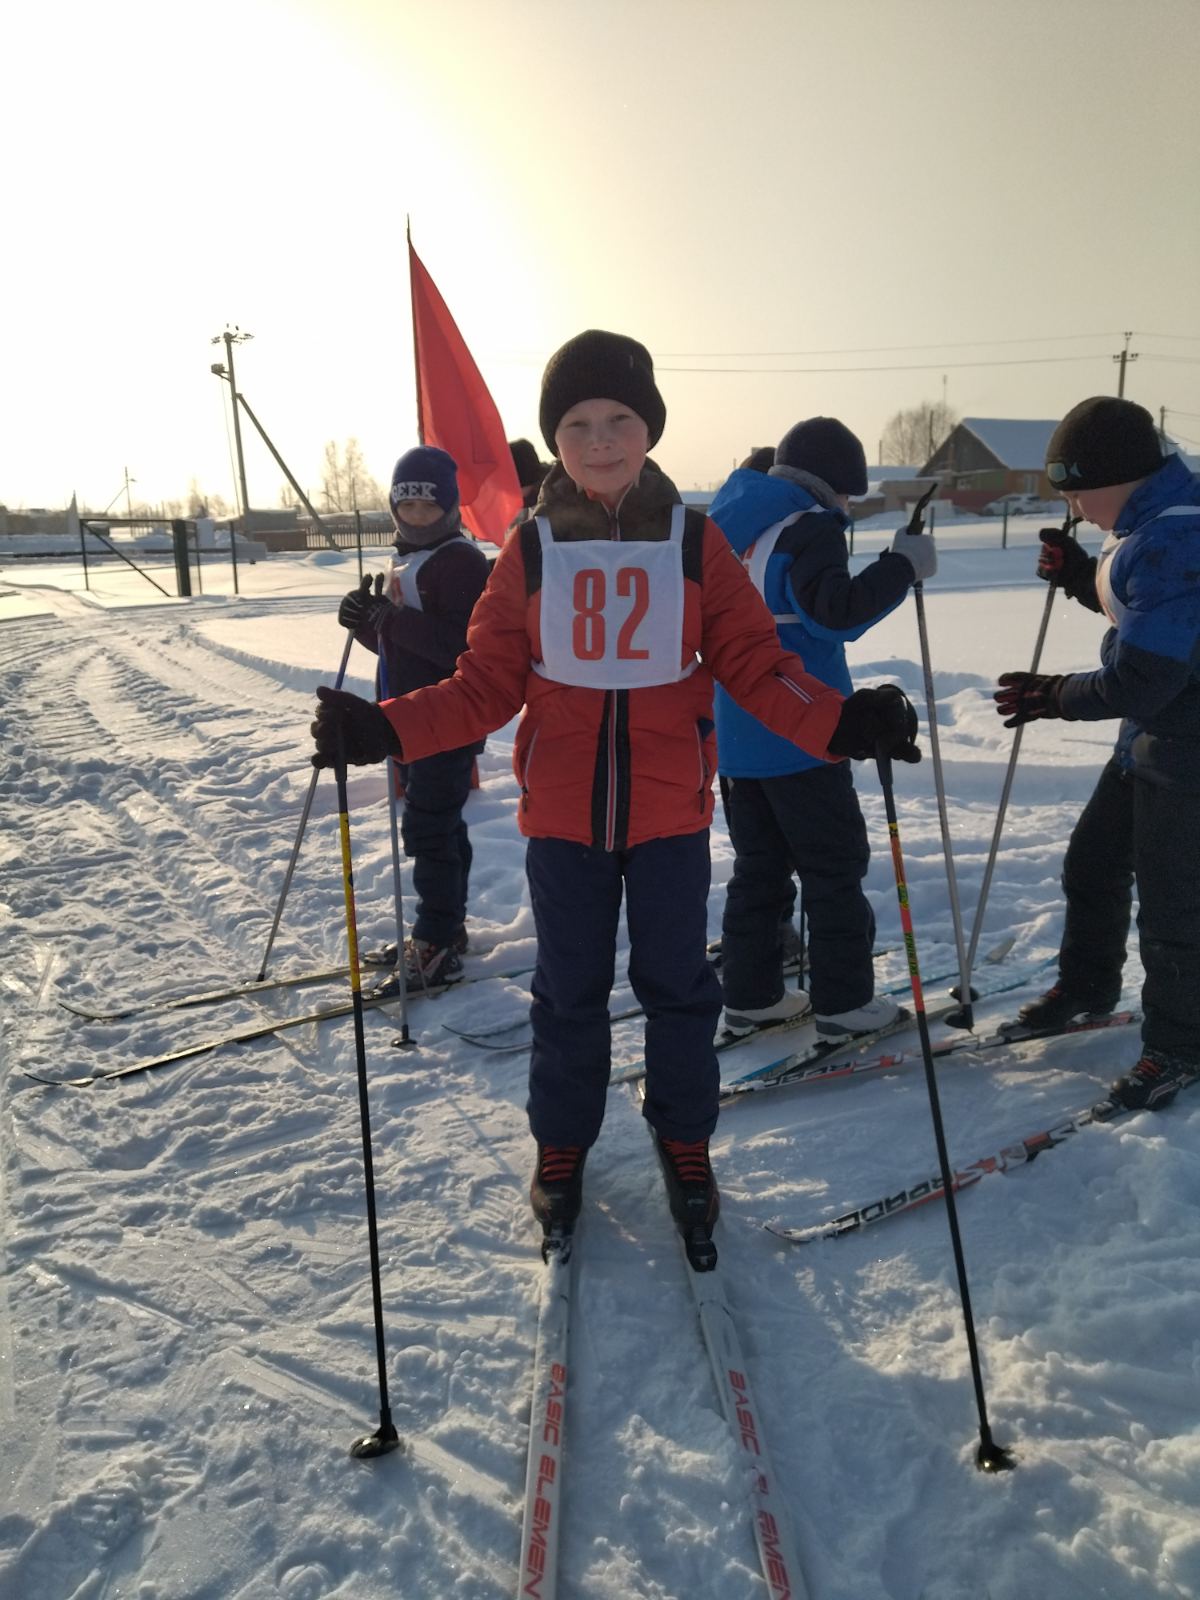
<point x="366" y="734"/>
<point x="364" y="606"/>
<point x="1064" y="561"/>
<point x="1028" y="696"/>
<point x="876" y="722"/>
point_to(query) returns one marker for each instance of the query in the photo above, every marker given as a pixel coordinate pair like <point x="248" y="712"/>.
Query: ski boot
<point x="695" y="1200"/>
<point x="556" y="1191"/>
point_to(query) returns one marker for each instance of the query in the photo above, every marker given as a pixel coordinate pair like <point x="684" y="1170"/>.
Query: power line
<point x="918" y="366"/>
<point x="872" y="349"/>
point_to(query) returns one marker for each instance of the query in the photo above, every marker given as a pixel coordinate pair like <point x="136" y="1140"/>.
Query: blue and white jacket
<point x="806" y="583"/>
<point x="1147" y="582"/>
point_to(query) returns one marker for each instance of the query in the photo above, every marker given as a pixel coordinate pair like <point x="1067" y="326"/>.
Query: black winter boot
<point x="1154" y="1082"/>
<point x="1060" y="1006"/>
<point x="556" y="1191"/>
<point x="695" y="1200"/>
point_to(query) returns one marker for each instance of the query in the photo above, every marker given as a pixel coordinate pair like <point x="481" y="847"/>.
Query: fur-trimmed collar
<point x="642" y="514"/>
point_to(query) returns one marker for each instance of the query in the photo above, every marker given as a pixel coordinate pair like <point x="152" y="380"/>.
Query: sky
<point x="800" y="206"/>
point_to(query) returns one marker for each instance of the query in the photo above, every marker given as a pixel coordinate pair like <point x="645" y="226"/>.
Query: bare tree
<point x="910" y="437"/>
<point x="346" y="482"/>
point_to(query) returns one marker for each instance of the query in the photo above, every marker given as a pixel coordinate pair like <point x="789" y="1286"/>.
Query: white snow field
<point x="186" y="1335"/>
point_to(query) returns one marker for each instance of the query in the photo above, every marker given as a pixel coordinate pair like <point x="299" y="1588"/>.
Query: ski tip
<point x="1001" y="950"/>
<point x="59" y="1083"/>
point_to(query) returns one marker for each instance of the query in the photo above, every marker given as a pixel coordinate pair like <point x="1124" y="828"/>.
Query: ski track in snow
<point x="185" y="1318"/>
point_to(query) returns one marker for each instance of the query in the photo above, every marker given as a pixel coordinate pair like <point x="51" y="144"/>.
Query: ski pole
<point x="402" y="1040"/>
<point x="385" y="1438"/>
<point x="1069" y="523"/>
<point x="308" y="800"/>
<point x="990" y="1456"/>
<point x="964" y="1017"/>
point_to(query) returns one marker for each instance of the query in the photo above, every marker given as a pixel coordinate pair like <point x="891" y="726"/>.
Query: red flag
<point x="456" y="412"/>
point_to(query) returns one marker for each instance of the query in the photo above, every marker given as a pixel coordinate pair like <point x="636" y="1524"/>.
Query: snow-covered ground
<point x="186" y="1337"/>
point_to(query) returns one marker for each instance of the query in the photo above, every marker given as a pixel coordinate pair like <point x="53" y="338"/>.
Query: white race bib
<point x="612" y="612"/>
<point x="401" y="587"/>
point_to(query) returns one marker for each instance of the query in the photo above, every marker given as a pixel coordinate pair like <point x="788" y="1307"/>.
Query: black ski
<point x="205" y="997"/>
<point x="238" y="991"/>
<point x="922" y="1192"/>
<point x="815" y="1067"/>
<point x="384" y="994"/>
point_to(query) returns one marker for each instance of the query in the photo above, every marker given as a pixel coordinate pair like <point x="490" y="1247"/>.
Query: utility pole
<point x="232" y="336"/>
<point x="1162" y="426"/>
<point x="128" y="497"/>
<point x="1123" y="357"/>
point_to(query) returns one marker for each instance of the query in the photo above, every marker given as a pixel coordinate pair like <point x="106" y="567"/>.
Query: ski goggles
<point x="1059" y="473"/>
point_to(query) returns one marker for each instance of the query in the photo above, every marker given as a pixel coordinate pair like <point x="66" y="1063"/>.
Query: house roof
<point x="1017" y="442"/>
<point x="1020" y="444"/>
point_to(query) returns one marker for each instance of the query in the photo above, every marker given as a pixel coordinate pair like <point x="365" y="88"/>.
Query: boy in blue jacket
<point x="787" y="811"/>
<point x="1142" y="823"/>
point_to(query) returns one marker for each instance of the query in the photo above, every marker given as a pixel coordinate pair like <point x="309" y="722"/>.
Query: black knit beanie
<point x="600" y="366"/>
<point x="1100" y="442"/>
<point x="826" y="448"/>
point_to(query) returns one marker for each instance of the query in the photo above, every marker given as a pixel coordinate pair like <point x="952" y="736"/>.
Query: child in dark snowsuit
<point x="417" y="625"/>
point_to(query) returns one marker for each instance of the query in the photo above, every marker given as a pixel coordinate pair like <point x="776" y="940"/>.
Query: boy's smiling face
<point x="602" y="444"/>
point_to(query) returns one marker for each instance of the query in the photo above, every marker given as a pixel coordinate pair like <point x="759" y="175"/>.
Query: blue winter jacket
<point x="808" y="581"/>
<point x="1147" y="580"/>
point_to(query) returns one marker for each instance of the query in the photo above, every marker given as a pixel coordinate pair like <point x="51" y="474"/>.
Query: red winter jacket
<point x="612" y="768"/>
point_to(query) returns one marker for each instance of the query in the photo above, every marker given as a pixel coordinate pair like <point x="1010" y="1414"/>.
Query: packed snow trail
<point x="185" y="1316"/>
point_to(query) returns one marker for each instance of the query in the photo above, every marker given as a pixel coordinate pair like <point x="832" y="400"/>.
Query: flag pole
<point x="412" y="301"/>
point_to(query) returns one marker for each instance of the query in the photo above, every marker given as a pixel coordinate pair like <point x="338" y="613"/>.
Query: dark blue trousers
<point x="435" y="838"/>
<point x="809" y="822"/>
<point x="1132" y="831"/>
<point x="576" y="896"/>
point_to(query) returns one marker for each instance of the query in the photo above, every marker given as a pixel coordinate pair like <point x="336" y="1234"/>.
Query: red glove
<point x="1063" y="560"/>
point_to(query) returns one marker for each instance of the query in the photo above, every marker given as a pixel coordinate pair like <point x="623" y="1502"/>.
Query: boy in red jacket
<point x="607" y="617"/>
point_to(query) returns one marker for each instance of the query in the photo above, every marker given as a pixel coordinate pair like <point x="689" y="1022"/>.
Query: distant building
<point x="986" y="457"/>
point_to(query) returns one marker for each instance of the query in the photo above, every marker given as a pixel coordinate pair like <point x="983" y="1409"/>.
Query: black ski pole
<point x="964" y="1016"/>
<point x="990" y="1457"/>
<point x="385" y="1438"/>
<point x="402" y="1041"/>
<point x="1069" y="522"/>
<point x="308" y="800"/>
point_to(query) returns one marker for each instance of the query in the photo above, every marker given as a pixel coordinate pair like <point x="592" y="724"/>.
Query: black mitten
<point x="364" y="733"/>
<point x="876" y="722"/>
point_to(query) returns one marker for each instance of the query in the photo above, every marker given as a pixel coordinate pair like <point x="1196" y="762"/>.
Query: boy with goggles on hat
<point x="1142" y="823"/>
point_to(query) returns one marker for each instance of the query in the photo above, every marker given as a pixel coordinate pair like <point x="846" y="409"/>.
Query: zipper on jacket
<point x="705" y="774"/>
<point x="526" y="769"/>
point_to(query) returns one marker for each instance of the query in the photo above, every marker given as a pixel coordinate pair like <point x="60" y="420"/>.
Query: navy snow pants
<point x="809" y="822"/>
<point x="576" y="896"/>
<point x="435" y="838"/>
<point x="1132" y="831"/>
